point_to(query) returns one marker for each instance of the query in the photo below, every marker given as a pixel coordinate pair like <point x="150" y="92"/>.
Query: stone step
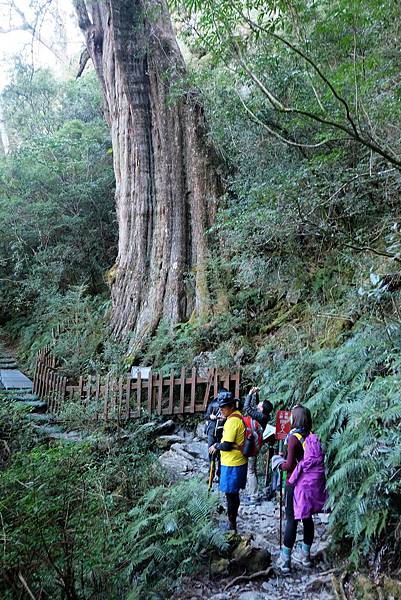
<point x="13" y="379"/>
<point x="48" y="430"/>
<point x="20" y="396"/>
<point x="39" y="418"/>
<point x="23" y="394"/>
<point x="56" y="432"/>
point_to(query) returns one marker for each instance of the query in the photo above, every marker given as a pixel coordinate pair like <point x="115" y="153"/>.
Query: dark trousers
<point x="232" y="507"/>
<point x="211" y="439"/>
<point x="291" y="525"/>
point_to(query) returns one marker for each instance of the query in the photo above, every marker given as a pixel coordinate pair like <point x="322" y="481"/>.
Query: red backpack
<point x="253" y="436"/>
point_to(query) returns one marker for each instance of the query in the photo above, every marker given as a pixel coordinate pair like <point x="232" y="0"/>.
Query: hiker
<point x="305" y="492"/>
<point x="261" y="413"/>
<point x="214" y="431"/>
<point x="233" y="463"/>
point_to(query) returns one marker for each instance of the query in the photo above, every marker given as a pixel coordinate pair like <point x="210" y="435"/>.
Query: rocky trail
<point x="258" y="541"/>
<point x="249" y="573"/>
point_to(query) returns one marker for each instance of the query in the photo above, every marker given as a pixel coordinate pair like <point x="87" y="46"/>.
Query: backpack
<point x="253" y="436"/>
<point x="300" y="437"/>
<point x="309" y="481"/>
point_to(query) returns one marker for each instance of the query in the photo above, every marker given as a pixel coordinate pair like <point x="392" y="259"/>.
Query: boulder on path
<point x="175" y="465"/>
<point x="246" y="557"/>
<point x="197" y="449"/>
<point x="200" y="431"/>
<point x="165" y="428"/>
<point x="165" y="441"/>
<point x="180" y="449"/>
<point x="252" y="596"/>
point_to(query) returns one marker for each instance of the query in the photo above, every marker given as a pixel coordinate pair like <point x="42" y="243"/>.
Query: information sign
<point x="283" y="424"/>
<point x="144" y="372"/>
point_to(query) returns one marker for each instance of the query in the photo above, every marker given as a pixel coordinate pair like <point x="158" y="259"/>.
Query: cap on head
<point x="225" y="399"/>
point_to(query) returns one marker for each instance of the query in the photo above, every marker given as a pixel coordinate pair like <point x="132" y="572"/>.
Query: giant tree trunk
<point x="166" y="182"/>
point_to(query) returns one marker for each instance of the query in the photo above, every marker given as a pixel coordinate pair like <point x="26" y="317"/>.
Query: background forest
<point x="303" y="104"/>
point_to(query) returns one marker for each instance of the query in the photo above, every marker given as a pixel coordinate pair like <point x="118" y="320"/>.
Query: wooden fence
<point x="123" y="398"/>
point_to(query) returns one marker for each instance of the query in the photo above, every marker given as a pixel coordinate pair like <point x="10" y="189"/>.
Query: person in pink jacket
<point x="305" y="488"/>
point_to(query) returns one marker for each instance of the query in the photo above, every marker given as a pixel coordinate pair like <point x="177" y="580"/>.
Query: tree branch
<point x="243" y="578"/>
<point x="84" y="21"/>
<point x="32" y="27"/>
<point x="25" y="585"/>
<point x="305" y="57"/>
<point x="276" y="134"/>
<point x="85" y="56"/>
<point x="277" y="105"/>
<point x="393" y="257"/>
<point x="353" y="132"/>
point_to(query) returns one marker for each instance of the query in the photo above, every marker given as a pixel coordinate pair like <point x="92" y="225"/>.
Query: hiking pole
<point x="211" y="473"/>
<point x="268" y="458"/>
<point x="281" y="509"/>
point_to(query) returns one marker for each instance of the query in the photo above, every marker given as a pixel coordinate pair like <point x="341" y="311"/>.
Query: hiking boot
<point x="284" y="560"/>
<point x="229" y="527"/>
<point x="302" y="557"/>
<point x="232" y="525"/>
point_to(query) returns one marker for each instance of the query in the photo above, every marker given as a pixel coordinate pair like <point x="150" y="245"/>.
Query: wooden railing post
<point x="237" y="379"/>
<point x="182" y="391"/>
<point x="128" y="397"/>
<point x="160" y="393"/>
<point x="193" y="389"/>
<point x="139" y="393"/>
<point x="150" y="392"/>
<point x="171" y="393"/>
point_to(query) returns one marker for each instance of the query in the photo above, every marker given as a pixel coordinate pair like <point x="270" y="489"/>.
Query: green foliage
<point x="173" y="348"/>
<point x="316" y="67"/>
<point x="56" y="211"/>
<point x="170" y="527"/>
<point x="94" y="520"/>
<point x="63" y="509"/>
<point x="36" y="105"/>
<point x="290" y="205"/>
<point x="303" y="103"/>
<point x="353" y="393"/>
<point x="83" y="344"/>
<point x="56" y="217"/>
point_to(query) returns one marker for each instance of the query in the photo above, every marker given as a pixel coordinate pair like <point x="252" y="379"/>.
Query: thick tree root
<point x="246" y="578"/>
<point x="338" y="586"/>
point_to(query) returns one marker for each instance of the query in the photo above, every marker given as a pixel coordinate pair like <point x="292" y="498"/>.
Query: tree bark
<point x="166" y="180"/>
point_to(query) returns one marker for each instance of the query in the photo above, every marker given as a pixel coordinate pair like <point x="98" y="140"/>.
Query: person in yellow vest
<point x="233" y="463"/>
